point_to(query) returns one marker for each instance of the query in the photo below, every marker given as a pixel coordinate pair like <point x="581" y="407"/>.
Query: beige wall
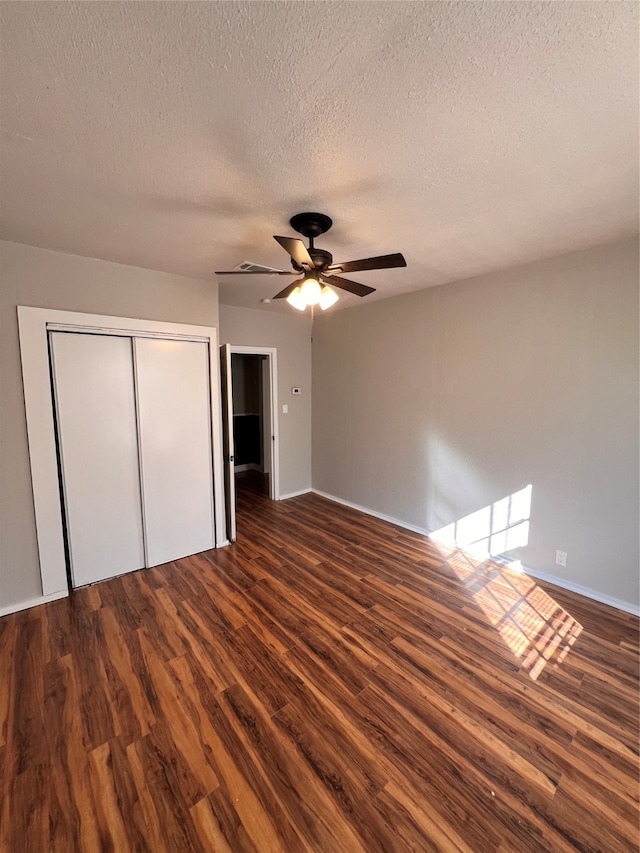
<point x="291" y="335"/>
<point x="37" y="277"/>
<point x="435" y="404"/>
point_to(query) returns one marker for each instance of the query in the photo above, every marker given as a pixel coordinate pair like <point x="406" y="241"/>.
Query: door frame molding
<point x="272" y="355"/>
<point x="33" y="326"/>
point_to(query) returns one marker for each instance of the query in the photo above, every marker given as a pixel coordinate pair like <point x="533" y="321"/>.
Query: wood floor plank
<point x="24" y="815"/>
<point x="8" y="630"/>
<point x="330" y="683"/>
<point x="59" y="628"/>
<point x="193" y="753"/>
<point x="94" y="698"/>
<point x="307" y="804"/>
<point x="220" y="824"/>
<point x="409" y="760"/>
<point x="71" y="811"/>
<point x="25" y="726"/>
<point x="160" y="782"/>
<point x="335" y="761"/>
<point x="590" y="832"/>
<point x="106" y="781"/>
<point x="160" y="824"/>
<point x="227" y="613"/>
<point x="208" y="643"/>
<point x="479" y="714"/>
<point x="609" y="769"/>
<point x="243" y="789"/>
<point x="208" y="817"/>
<point x="429" y="737"/>
<point x="436" y="832"/>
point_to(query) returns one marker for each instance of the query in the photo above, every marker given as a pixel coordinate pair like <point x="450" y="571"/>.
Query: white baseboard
<point x="294" y="494"/>
<point x="33" y="602"/>
<point x="374" y="513"/>
<point x="626" y="606"/>
<point x="583" y="590"/>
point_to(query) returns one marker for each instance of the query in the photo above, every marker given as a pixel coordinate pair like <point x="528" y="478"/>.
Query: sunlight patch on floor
<point x="535" y="627"/>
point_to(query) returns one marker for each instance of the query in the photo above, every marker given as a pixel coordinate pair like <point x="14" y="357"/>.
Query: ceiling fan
<point x="316" y="266"/>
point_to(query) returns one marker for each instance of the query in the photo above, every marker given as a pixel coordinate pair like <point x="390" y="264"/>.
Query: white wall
<point x="435" y="404"/>
<point x="291" y="335"/>
<point x="41" y="278"/>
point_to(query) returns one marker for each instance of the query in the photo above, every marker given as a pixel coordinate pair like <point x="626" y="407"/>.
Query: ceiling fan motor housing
<point x="312" y="225"/>
<point x="320" y="257"/>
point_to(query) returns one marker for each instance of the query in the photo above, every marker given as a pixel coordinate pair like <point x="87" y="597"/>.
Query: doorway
<point x="250" y="442"/>
<point x="249" y="405"/>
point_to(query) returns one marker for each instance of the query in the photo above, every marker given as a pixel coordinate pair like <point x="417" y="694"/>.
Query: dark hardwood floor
<point x="329" y="683"/>
<point x="252" y="481"/>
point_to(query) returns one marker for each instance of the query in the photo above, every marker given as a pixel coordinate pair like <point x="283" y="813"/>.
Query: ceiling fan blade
<point x="347" y="284"/>
<point x="287" y="290"/>
<point x="381" y="262"/>
<point x="297" y="250"/>
<point x="255" y="272"/>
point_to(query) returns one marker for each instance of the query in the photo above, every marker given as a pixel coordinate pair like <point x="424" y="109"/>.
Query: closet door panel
<point x="174" y="421"/>
<point x="96" y="417"/>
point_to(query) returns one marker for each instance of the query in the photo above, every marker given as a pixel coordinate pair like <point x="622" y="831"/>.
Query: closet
<point x="133" y="426"/>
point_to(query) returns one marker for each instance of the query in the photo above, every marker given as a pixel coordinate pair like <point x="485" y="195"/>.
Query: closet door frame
<point x="34" y="325"/>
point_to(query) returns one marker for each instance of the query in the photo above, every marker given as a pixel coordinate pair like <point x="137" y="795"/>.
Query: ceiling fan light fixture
<point x="311" y="290"/>
<point x="328" y="297"/>
<point x="296" y="299"/>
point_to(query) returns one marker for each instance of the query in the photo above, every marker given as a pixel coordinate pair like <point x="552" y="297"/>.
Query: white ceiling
<point x="180" y="136"/>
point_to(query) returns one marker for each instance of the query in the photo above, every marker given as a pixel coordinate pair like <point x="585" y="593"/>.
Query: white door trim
<point x="228" y="449"/>
<point x="272" y="355"/>
<point x="33" y="325"/>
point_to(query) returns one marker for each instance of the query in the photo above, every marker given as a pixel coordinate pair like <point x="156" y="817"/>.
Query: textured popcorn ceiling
<point x="181" y="136"/>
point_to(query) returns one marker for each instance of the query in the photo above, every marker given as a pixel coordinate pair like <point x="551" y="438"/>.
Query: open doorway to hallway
<point x="251" y="428"/>
<point x="249" y="394"/>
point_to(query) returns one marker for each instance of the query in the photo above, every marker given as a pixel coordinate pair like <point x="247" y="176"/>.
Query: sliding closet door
<point x="174" y="417"/>
<point x="96" y="418"/>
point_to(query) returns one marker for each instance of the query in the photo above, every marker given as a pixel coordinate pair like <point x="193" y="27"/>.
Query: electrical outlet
<point x="561" y="558"/>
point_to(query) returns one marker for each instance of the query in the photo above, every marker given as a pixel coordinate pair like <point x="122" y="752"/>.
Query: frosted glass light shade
<point x="311" y="291"/>
<point x="296" y="299"/>
<point x="328" y="297"/>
